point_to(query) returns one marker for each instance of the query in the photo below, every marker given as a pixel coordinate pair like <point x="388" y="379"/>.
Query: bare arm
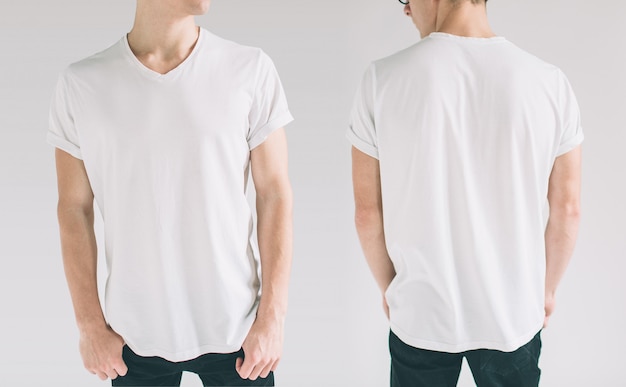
<point x="562" y="228"/>
<point x="263" y="346"/>
<point x="98" y="343"/>
<point x="369" y="218"/>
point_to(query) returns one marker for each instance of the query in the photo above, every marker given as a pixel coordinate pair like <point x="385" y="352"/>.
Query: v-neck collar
<point x="155" y="75"/>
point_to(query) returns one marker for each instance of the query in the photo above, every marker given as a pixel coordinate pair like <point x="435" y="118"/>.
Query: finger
<point x="101" y="375"/>
<point x="120" y="367"/>
<point x="238" y="364"/>
<point x="246" y="368"/>
<point x="111" y="374"/>
<point x="275" y="365"/>
<point x="266" y="371"/>
<point x="256" y="371"/>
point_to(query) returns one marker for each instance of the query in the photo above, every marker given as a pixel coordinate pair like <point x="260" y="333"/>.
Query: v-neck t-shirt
<point x="167" y="157"/>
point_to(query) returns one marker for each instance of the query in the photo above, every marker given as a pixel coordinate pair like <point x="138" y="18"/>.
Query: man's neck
<point x="464" y="19"/>
<point x="160" y="39"/>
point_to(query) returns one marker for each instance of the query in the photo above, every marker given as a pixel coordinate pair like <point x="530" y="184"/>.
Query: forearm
<point x="79" y="251"/>
<point x="369" y="225"/>
<point x="560" y="238"/>
<point x="275" y="238"/>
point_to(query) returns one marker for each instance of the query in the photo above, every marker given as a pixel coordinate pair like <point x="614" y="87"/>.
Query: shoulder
<point x="233" y="51"/>
<point x="417" y="57"/>
<point x="400" y="58"/>
<point x="525" y="62"/>
<point x="96" y="65"/>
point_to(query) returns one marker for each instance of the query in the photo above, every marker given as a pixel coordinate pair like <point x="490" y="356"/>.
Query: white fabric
<point x="466" y="131"/>
<point x="167" y="157"/>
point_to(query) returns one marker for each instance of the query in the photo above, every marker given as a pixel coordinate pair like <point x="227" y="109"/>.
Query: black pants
<point x="214" y="369"/>
<point x="413" y="367"/>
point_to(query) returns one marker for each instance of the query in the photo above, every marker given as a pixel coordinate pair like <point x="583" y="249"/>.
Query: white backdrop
<point x="336" y="333"/>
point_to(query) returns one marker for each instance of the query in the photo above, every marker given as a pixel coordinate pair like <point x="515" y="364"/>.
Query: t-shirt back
<point x="466" y="131"/>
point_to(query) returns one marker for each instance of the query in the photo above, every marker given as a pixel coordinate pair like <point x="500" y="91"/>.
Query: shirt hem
<point x="431" y="345"/>
<point x="184" y="355"/>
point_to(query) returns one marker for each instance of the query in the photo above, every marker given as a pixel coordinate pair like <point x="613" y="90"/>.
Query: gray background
<point x="336" y="332"/>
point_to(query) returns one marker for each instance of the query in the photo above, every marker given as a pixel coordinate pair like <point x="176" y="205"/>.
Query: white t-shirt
<point x="167" y="157"/>
<point x="466" y="131"/>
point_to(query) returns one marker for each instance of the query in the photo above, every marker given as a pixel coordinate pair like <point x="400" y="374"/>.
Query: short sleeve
<point x="269" y="110"/>
<point x="571" y="134"/>
<point x="62" y="132"/>
<point x="362" y="130"/>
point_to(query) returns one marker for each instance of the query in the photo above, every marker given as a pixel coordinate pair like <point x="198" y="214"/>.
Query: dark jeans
<point x="214" y="369"/>
<point x="413" y="367"/>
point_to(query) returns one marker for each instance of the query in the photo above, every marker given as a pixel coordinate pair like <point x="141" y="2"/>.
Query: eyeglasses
<point x="405" y="2"/>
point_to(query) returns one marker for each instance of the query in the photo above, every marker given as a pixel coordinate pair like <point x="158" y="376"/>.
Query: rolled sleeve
<point x="62" y="132"/>
<point x="269" y="110"/>
<point x="362" y="129"/>
<point x="571" y="130"/>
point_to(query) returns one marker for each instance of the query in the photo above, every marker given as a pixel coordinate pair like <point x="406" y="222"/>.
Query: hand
<point x="262" y="349"/>
<point x="549" y="305"/>
<point x="101" y="350"/>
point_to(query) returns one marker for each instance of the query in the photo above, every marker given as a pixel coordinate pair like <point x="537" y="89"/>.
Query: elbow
<point x="279" y="196"/>
<point x="67" y="210"/>
<point x="569" y="210"/>
<point x="366" y="218"/>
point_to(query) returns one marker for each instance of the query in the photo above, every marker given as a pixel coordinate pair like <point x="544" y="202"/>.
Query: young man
<point x="457" y="143"/>
<point x="161" y="129"/>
